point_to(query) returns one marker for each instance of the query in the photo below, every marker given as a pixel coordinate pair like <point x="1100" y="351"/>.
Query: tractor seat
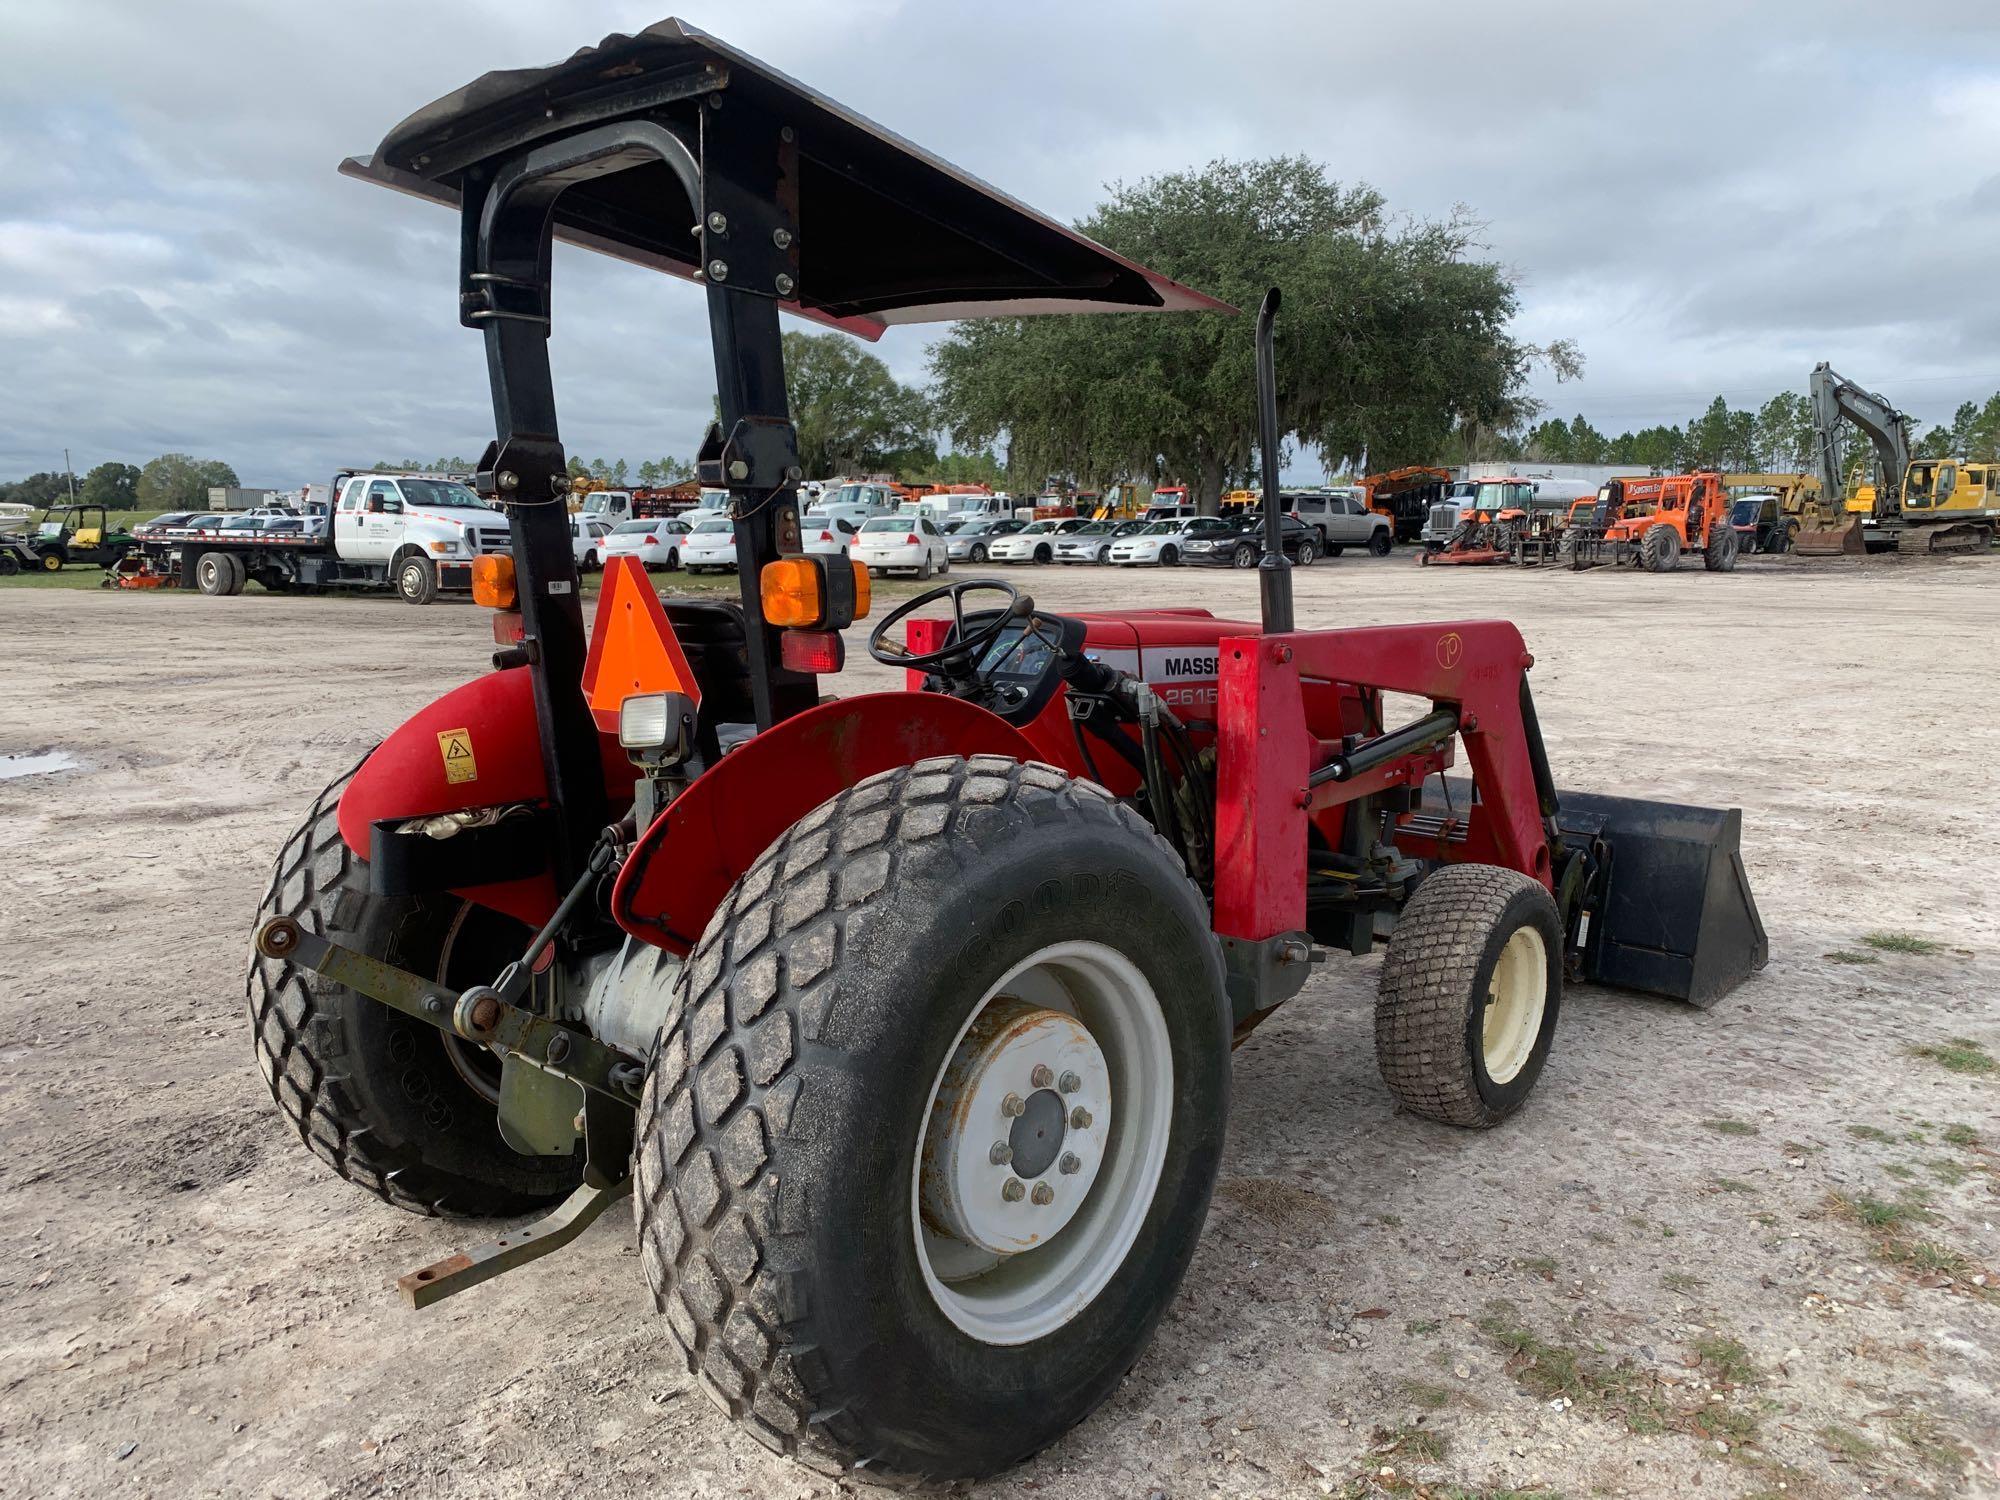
<point x="713" y="639"/>
<point x="88" y="536"/>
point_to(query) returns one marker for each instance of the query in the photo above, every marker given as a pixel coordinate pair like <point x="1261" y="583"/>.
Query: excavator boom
<point x="1836" y="399"/>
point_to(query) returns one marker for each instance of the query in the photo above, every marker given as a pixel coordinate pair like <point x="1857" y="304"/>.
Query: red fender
<point x="732" y="813"/>
<point x="409" y="775"/>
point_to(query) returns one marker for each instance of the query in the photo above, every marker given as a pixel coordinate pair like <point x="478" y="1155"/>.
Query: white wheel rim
<point x="1516" y="997"/>
<point x="1079" y="1009"/>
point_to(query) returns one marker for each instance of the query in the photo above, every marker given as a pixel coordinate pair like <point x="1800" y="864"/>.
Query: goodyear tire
<point x="1659" y="549"/>
<point x="1466" y="1007"/>
<point x="214" y="572"/>
<point x="1719" y="555"/>
<point x="389" y="1103"/>
<point x="416" y="579"/>
<point x="798" y="1114"/>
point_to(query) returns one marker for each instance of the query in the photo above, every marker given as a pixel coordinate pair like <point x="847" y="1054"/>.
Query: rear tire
<point x="924" y="569"/>
<point x="416" y="580"/>
<point x="1659" y="549"/>
<point x="1334" y="549"/>
<point x="213" y="573"/>
<point x="1719" y="554"/>
<point x="1465" y="1011"/>
<point x="239" y="573"/>
<point x="371" y="1092"/>
<point x="9" y="565"/>
<point x="793" y="1117"/>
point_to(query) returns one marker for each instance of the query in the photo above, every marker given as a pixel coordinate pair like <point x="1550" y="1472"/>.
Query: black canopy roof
<point x="888" y="233"/>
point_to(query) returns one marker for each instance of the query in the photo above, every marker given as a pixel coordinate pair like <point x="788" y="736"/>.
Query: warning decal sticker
<point x="455" y="745"/>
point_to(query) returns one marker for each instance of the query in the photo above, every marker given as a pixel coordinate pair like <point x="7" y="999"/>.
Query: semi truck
<point x="414" y="533"/>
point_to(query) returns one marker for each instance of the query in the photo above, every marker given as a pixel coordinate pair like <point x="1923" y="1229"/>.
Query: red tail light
<point x="826" y="536"/>
<point x="811" y="650"/>
<point x="913" y="540"/>
<point x="652" y="541"/>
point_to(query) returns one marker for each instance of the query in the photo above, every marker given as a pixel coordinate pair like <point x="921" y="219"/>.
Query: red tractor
<point x="905" y="1017"/>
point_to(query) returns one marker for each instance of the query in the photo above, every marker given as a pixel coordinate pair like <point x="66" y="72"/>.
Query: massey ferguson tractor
<point x="904" y="1017"/>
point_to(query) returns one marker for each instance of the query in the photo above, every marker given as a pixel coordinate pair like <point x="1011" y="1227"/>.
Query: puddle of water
<point x="14" y="766"/>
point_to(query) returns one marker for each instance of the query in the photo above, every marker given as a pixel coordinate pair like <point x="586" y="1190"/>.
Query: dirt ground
<point x="1719" y="1254"/>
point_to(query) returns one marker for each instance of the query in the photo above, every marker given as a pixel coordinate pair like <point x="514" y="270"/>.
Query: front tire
<point x="800" y="1132"/>
<point x="1245" y="557"/>
<point x="1043" y="554"/>
<point x="1466" y="1007"/>
<point x="1170" y="557"/>
<point x="416" y="580"/>
<point x="1381" y="544"/>
<point x="375" y="1095"/>
<point x="1659" y="549"/>
<point x="978" y="554"/>
<point x="1306" y="555"/>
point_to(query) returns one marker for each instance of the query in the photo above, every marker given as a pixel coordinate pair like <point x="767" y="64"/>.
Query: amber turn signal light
<point x="790" y="590"/>
<point x="493" y="580"/>
<point x="864" y="591"/>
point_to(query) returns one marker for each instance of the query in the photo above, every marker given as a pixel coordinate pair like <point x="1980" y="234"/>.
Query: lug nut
<point x="1069" y="1083"/>
<point x="1013" y="1191"/>
<point x="1013" y="1106"/>
<point x="1044" y="1194"/>
<point x="1041" y="1078"/>
<point x="1080" y="1118"/>
<point x="1071" y="1164"/>
<point x="1001" y="1154"/>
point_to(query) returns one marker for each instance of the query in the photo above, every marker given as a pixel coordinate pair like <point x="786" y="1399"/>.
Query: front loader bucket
<point x="1671" y="911"/>
<point x="1831" y="541"/>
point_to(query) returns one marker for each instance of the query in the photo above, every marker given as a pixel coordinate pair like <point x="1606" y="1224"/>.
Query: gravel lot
<point x="1744" y="1252"/>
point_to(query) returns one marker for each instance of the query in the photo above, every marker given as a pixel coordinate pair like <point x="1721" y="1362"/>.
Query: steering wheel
<point x="893" y="654"/>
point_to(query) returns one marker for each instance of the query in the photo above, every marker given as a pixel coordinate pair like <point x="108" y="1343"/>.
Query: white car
<point x="1035" y="542"/>
<point x="893" y="543"/>
<point x="657" y="543"/>
<point x="1161" y="542"/>
<point x="826" y="535"/>
<point x="710" y="546"/>
<point x="586" y="542"/>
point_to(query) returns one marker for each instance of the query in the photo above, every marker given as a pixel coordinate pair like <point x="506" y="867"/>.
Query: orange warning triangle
<point x="633" y="648"/>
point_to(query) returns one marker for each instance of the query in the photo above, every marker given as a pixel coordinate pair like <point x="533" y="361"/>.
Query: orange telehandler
<point x="1651" y="521"/>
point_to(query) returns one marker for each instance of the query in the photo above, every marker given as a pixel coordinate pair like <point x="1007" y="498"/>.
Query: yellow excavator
<point x="1925" y="505"/>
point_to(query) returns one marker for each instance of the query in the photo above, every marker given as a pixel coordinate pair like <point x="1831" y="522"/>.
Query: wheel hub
<point x="1017" y="1130"/>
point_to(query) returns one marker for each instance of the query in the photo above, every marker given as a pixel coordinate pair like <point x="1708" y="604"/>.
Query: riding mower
<point x="905" y="1017"/>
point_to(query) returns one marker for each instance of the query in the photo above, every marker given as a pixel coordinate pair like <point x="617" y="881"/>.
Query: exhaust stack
<point x="1274" y="569"/>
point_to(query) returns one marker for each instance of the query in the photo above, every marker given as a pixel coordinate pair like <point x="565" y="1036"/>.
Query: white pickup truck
<point x="415" y="533"/>
<point x="1342" y="519"/>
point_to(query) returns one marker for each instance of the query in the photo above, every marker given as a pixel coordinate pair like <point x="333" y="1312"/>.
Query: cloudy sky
<point x="1708" y="197"/>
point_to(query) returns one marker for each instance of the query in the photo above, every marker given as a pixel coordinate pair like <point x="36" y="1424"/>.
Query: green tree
<point x="174" y="481"/>
<point x="1784" y="433"/>
<point x="1722" y="439"/>
<point x="113" y="485"/>
<point x="849" y="410"/>
<point x="44" y="488"/>
<point x="619" y="471"/>
<point x="1393" y="337"/>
